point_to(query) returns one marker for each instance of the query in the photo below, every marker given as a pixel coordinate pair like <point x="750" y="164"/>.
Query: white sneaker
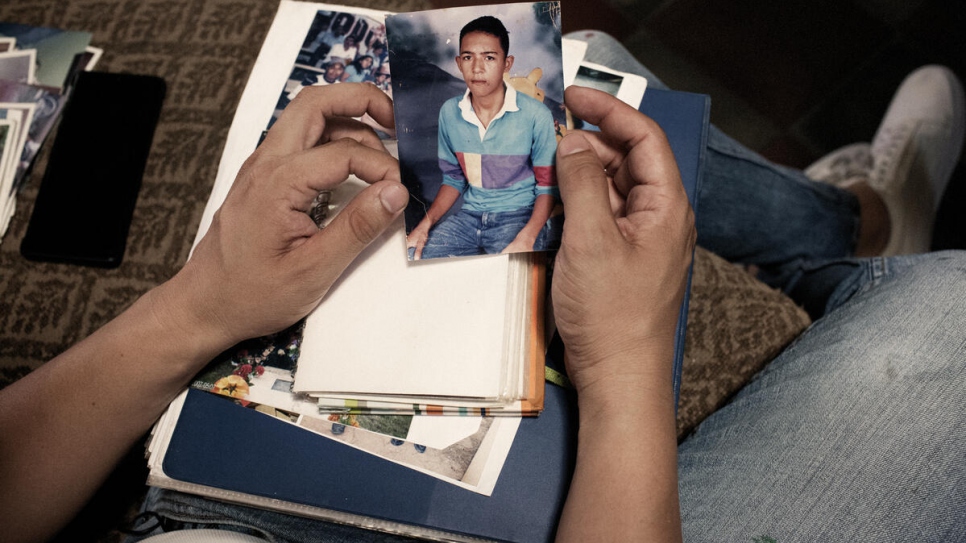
<point x="914" y="152"/>
<point x="842" y="165"/>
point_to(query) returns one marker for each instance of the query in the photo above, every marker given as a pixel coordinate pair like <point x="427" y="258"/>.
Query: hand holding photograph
<point x="340" y="47"/>
<point x="478" y="122"/>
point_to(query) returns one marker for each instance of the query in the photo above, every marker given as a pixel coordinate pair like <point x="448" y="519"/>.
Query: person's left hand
<point x="264" y="263"/>
<point x="618" y="282"/>
<point x="621" y="271"/>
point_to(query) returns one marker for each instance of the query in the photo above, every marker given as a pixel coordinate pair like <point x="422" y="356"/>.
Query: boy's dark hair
<point x="489" y="25"/>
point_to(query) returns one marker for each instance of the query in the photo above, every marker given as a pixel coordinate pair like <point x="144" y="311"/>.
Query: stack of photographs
<point x="36" y="67"/>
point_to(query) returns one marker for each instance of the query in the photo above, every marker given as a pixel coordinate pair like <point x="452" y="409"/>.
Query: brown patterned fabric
<point x="736" y="325"/>
<point x="205" y="51"/>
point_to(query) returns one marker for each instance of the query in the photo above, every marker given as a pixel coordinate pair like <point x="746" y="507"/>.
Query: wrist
<point x="189" y="319"/>
<point x="433" y="218"/>
<point x="632" y="381"/>
<point x="527" y="235"/>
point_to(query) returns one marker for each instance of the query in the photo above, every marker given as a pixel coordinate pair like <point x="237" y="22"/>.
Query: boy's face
<point x="483" y="62"/>
<point x="334" y="71"/>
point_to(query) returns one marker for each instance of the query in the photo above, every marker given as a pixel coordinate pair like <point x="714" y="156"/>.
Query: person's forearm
<point x="65" y="426"/>
<point x="624" y="486"/>
<point x="444" y="200"/>
<point x="618" y="282"/>
<point x="542" y="207"/>
<point x="417" y="237"/>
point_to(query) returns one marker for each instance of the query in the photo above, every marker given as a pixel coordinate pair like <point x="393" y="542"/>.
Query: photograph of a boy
<point x="495" y="154"/>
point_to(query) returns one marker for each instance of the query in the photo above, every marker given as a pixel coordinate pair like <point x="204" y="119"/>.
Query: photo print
<point x="339" y="47"/>
<point x="258" y="374"/>
<point x="55" y="50"/>
<point x="599" y="79"/>
<point x="626" y="87"/>
<point x="17" y="117"/>
<point x="18" y="66"/>
<point x="478" y="97"/>
<point x="47" y="106"/>
<point x="8" y="129"/>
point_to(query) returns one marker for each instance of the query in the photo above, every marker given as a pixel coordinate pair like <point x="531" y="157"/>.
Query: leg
<point x="856" y="432"/>
<point x="751" y="210"/>
<point x="167" y="510"/>
<point x="456" y="235"/>
<point x="755" y="212"/>
<point x="499" y="229"/>
<point x="898" y="181"/>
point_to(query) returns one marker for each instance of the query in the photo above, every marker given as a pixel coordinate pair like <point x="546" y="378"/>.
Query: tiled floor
<point x="793" y="79"/>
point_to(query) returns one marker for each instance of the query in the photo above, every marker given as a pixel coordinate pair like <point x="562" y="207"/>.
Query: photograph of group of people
<point x="480" y="168"/>
<point x="339" y="47"/>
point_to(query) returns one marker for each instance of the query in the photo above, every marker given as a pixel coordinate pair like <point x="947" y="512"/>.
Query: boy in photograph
<point x="332" y="75"/>
<point x="496" y="150"/>
<point x="383" y="79"/>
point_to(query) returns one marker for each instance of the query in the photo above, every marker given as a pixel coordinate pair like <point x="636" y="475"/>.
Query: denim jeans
<point x="856" y="432"/>
<point x="167" y="510"/>
<point x="752" y="211"/>
<point x="467" y="233"/>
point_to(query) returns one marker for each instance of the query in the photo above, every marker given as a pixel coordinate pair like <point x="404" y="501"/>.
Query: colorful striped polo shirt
<point x="504" y="166"/>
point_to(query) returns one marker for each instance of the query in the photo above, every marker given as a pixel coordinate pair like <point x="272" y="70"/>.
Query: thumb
<point x="360" y="222"/>
<point x="583" y="184"/>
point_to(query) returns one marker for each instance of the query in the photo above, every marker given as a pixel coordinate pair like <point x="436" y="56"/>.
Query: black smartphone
<point x="87" y="195"/>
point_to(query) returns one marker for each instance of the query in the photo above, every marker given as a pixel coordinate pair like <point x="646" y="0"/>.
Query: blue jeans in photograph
<point x="468" y="233"/>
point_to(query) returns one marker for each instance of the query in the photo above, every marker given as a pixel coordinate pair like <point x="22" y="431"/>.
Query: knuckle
<point x="344" y="145"/>
<point x="259" y="167"/>
<point x="580" y="164"/>
<point x="363" y="226"/>
<point x="260" y="170"/>
<point x="589" y="166"/>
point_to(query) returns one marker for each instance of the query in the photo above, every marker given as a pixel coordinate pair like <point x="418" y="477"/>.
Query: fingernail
<point x="573" y="143"/>
<point x="394" y="197"/>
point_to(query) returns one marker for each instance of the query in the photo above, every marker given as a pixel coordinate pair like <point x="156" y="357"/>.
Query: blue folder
<point x="216" y="443"/>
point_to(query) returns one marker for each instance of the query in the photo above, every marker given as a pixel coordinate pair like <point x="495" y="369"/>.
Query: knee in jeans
<point x="591" y="36"/>
<point x="943" y="272"/>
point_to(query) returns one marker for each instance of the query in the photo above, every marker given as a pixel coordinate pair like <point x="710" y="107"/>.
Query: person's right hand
<point x="628" y="239"/>
<point x="264" y="263"/>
